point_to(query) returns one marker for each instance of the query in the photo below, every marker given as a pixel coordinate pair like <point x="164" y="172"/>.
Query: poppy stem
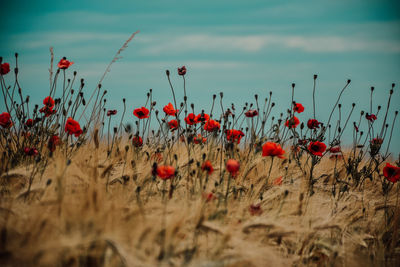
<point x="227" y="188"/>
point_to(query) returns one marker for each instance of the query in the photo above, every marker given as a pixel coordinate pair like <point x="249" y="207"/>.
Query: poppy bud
<point x="393" y="85"/>
<point x="372" y="88"/>
<point x="293" y="85"/>
<point x="221" y="94"/>
<point x="348" y="81"/>
<point x="354" y="104"/>
<point x="167" y="72"/>
<point x="315" y="76"/>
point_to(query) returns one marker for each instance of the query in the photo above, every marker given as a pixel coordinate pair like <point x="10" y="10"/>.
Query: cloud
<point x="257" y="43"/>
<point x="46" y="39"/>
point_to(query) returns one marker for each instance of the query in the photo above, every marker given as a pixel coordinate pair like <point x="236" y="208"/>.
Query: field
<point x="199" y="189"/>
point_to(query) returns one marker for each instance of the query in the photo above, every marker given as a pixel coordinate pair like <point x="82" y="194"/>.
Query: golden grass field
<point x="91" y="213"/>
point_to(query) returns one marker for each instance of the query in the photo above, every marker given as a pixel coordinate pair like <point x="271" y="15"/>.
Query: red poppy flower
<point x="234" y="135"/>
<point x="173" y="124"/>
<point x="272" y="149"/>
<point x="278" y="181"/>
<point x="355" y="127"/>
<point x="317" y="148"/>
<point x="199" y="139"/>
<point x="233" y="166"/>
<point x="111" y="112"/>
<point x="190" y="119"/>
<point x="53" y="142"/>
<point x="251" y="113"/>
<point x="29" y="123"/>
<point x="73" y="127"/>
<point x="5" y="120"/>
<point x="211" y="125"/>
<point x="47" y="111"/>
<point x="137" y="141"/>
<point x="298" y="108"/>
<point x="207" y="166"/>
<point x="370" y="117"/>
<point x="202" y="117"/>
<point x="255" y="209"/>
<point x="292" y="123"/>
<point x="209" y="197"/>
<point x="313" y="124"/>
<point x="377" y="141"/>
<point x="64" y="63"/>
<point x="392" y="173"/>
<point x="165" y="172"/>
<point x="169" y="110"/>
<point x="30" y="151"/>
<point x="182" y="70"/>
<point x="49" y="102"/>
<point x="4" y="68"/>
<point x="141" y="113"/>
<point x="335" y="149"/>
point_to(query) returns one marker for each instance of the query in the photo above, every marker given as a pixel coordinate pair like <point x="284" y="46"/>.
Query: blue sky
<point x="238" y="47"/>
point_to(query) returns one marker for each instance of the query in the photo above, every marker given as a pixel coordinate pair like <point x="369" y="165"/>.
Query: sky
<point x="240" y="48"/>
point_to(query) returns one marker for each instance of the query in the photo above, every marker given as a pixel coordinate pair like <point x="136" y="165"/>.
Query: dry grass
<point x="89" y="213"/>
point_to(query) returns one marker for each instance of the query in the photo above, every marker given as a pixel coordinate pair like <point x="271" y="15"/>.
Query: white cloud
<point x="257" y="43"/>
<point x="46" y="39"/>
<point x="157" y="44"/>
